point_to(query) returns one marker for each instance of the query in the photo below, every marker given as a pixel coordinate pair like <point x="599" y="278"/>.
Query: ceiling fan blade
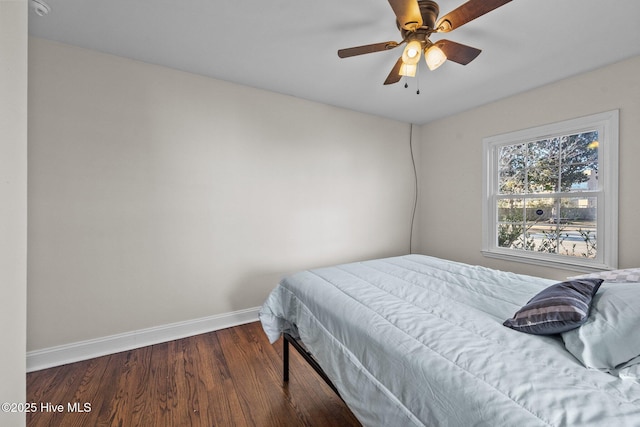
<point x="408" y="13"/>
<point x="467" y="12"/>
<point x="369" y="48"/>
<point x="456" y="52"/>
<point x="394" y="76"/>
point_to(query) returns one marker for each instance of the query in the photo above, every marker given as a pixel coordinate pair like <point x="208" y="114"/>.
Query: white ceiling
<point x="289" y="46"/>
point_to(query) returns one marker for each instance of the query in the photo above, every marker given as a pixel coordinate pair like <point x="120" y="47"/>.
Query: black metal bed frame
<point x="299" y="346"/>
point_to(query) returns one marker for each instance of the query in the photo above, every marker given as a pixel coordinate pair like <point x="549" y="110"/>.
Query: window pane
<point x="540" y="210"/>
<point x="578" y="221"/>
<point x="511" y="170"/>
<point x="510" y="223"/>
<point x="542" y="230"/>
<point x="510" y="210"/>
<point x="543" y="166"/>
<point x="580" y="162"/>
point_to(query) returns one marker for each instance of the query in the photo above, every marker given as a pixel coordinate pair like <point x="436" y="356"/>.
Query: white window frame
<point x="607" y="194"/>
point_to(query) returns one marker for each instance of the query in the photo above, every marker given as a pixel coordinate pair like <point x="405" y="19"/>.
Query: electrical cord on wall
<point x="415" y="196"/>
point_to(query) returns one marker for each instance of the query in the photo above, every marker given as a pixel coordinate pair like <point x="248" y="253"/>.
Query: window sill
<point x="569" y="264"/>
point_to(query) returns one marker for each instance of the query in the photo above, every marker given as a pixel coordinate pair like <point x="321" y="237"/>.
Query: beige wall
<point x="13" y="205"/>
<point x="157" y="196"/>
<point x="450" y="154"/>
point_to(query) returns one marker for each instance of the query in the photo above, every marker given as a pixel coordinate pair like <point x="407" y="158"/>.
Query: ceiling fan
<point x="417" y="20"/>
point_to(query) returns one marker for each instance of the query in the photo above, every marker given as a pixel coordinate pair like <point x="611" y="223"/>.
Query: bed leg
<point x="285" y="358"/>
<point x="306" y="356"/>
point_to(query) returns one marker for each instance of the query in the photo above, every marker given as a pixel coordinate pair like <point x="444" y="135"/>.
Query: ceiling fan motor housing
<point x="429" y="11"/>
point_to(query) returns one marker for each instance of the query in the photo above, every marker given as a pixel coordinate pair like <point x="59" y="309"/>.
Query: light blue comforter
<point x="419" y="341"/>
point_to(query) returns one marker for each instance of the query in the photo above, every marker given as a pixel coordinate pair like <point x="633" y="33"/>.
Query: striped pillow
<point x="625" y="275"/>
<point x="558" y="308"/>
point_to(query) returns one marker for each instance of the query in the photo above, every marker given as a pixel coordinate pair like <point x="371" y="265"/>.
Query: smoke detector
<point x="39" y="7"/>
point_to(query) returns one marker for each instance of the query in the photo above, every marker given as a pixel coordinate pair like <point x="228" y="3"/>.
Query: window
<point x="550" y="194"/>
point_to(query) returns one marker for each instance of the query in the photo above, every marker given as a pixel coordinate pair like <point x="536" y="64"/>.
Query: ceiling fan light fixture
<point x="434" y="56"/>
<point x="408" y="70"/>
<point x="412" y="52"/>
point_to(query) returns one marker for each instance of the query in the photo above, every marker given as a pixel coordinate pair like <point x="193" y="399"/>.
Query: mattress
<point x="419" y="341"/>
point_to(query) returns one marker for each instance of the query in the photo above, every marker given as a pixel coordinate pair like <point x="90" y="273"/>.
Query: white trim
<point x="554" y="263"/>
<point x="83" y="350"/>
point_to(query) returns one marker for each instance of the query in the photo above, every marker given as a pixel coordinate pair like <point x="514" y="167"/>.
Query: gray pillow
<point x="610" y="338"/>
<point x="558" y="308"/>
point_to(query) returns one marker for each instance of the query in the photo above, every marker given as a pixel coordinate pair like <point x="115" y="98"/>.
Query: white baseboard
<point x="83" y="350"/>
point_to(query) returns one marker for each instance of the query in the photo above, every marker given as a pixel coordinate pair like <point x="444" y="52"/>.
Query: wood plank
<point x="216" y="389"/>
<point x="157" y="413"/>
<point x="112" y="404"/>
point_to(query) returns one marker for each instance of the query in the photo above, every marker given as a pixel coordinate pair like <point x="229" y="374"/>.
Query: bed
<point x="420" y="341"/>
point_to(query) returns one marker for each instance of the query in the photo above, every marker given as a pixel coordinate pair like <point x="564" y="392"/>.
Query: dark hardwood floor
<point x="231" y="377"/>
